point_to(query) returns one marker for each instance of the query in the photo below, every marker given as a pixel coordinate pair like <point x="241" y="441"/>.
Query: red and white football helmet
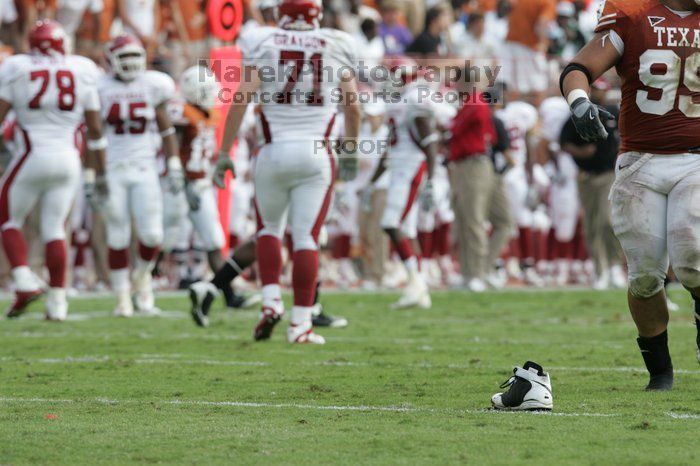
<point x="47" y="37"/>
<point x="300" y="15"/>
<point x="126" y="57"/>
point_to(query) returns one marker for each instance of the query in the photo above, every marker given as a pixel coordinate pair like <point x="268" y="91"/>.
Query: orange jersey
<point x="660" y="73"/>
<point x="524" y="17"/>
<point x="198" y="146"/>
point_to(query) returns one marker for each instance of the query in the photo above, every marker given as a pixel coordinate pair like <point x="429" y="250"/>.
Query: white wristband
<point x="576" y="94"/>
<point x="89" y="175"/>
<point x="167" y="132"/>
<point x="174" y="163"/>
<point x="97" y="144"/>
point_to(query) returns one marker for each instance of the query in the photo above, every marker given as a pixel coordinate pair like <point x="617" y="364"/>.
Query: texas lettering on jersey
<point x="660" y="72"/>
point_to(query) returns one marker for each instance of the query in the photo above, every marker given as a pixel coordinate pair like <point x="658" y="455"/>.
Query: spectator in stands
<point x="479" y="194"/>
<point x="351" y="20"/>
<point x="429" y="42"/>
<point x="30" y="12"/>
<point x="392" y="30"/>
<point x="596" y="163"/>
<point x="475" y="45"/>
<point x="370" y="44"/>
<point x="527" y="42"/>
<point x="141" y="18"/>
<point x="9" y="26"/>
<point x="496" y="21"/>
<point x="566" y="38"/>
<point x="70" y="14"/>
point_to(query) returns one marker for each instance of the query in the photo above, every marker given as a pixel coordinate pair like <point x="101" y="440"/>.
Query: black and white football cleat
<point x="321" y="319"/>
<point x="529" y="389"/>
<point x="202" y="295"/>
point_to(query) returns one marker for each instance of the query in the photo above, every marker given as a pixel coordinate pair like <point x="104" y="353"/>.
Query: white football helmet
<point x="126" y="56"/>
<point x="200" y="87"/>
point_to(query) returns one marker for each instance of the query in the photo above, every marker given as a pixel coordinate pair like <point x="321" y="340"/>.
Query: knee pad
<point x="688" y="276"/>
<point x="646" y="285"/>
<point x="151" y="239"/>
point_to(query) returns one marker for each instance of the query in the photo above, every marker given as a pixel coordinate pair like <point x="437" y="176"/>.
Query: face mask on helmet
<point x="129" y="65"/>
<point x="199" y="87"/>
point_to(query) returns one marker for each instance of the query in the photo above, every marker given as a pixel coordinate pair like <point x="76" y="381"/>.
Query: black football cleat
<point x="321" y="319"/>
<point x="660" y="382"/>
<point x="202" y="295"/>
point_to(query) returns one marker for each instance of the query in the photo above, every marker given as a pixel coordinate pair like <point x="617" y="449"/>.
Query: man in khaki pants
<point x="596" y="163"/>
<point x="479" y="194"/>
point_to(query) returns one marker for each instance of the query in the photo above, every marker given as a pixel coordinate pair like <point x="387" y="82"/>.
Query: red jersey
<point x="660" y="72"/>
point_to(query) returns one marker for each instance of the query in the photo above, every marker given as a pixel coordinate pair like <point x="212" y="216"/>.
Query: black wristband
<point x="573" y="67"/>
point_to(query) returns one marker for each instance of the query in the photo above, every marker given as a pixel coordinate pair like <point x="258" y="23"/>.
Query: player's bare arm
<point x="353" y="117"/>
<point x="597" y="57"/>
<point x="241" y="99"/>
<point x="95" y="184"/>
<point x="176" y="176"/>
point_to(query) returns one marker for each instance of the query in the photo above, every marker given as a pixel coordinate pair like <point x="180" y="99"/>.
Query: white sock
<point x="23" y="278"/>
<point x="300" y="315"/>
<point x="120" y="280"/>
<point x="411" y="265"/>
<point x="271" y="293"/>
<point x="57" y="294"/>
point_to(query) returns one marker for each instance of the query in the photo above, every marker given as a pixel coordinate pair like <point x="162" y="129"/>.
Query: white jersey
<point x="129" y="112"/>
<point x="519" y="118"/>
<point x="49" y="96"/>
<point x="554" y="112"/>
<point x="301" y="73"/>
<point x="401" y="116"/>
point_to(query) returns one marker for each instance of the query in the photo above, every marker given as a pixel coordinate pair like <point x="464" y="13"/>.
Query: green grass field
<point x="395" y="387"/>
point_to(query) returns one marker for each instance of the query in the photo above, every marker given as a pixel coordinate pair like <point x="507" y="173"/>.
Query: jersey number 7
<point x="297" y="59"/>
<point x="66" y="88"/>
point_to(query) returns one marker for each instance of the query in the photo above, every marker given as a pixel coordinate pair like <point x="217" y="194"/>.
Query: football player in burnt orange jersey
<point x="655" y="47"/>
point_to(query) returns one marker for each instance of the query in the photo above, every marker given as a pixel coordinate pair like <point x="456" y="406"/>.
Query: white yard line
<point x="177" y="358"/>
<point x="265" y="405"/>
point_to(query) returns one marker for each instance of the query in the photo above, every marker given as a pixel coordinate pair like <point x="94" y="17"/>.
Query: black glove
<point x="590" y="119"/>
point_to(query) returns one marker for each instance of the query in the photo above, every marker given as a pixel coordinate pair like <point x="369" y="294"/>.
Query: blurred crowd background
<point x="529" y="41"/>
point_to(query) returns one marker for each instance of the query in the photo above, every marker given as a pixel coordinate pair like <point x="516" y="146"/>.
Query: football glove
<point x="590" y="119"/>
<point x="96" y="191"/>
<point x="223" y="164"/>
<point x="347" y="165"/>
<point x="192" y="196"/>
<point x="427" y="197"/>
<point x="176" y="176"/>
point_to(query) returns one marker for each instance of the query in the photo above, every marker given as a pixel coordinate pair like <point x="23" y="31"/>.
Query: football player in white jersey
<point x="412" y="121"/>
<point x="520" y="119"/>
<point x="51" y="93"/>
<point x="295" y="168"/>
<point x="135" y="111"/>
